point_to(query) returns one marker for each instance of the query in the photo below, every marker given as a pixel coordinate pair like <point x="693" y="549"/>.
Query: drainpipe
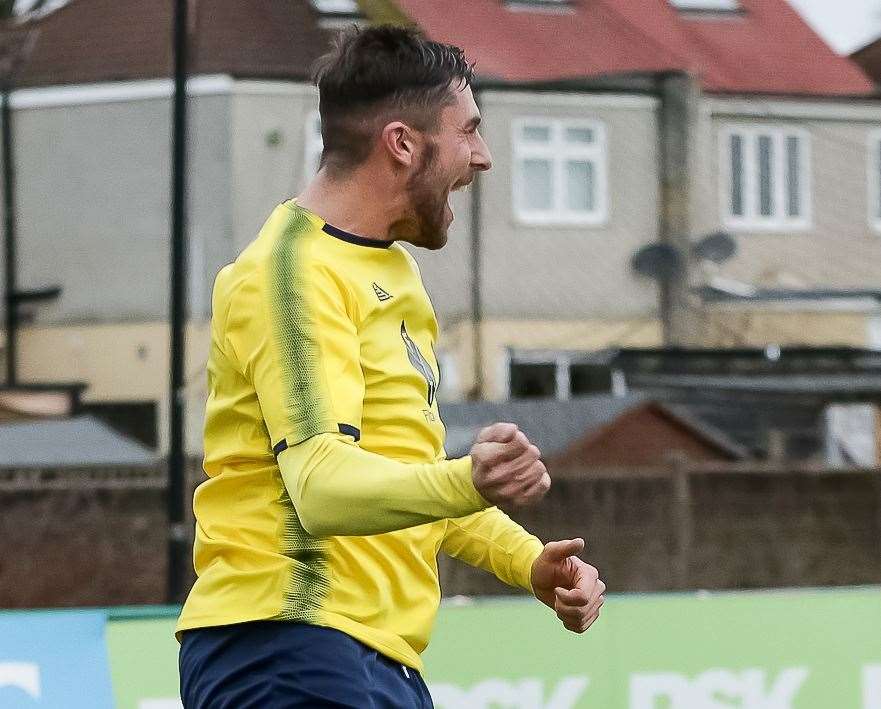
<point x="477" y="391"/>
<point x="678" y="122"/>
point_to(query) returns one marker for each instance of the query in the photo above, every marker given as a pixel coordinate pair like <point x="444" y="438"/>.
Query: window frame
<point x="557" y="151"/>
<point x="563" y="361"/>
<point x="873" y="179"/>
<point x="713" y="6"/>
<point x="752" y="220"/>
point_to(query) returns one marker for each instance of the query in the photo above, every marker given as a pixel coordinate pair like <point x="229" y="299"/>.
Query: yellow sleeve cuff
<point x="522" y="560"/>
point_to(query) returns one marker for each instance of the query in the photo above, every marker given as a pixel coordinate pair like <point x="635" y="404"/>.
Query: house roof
<point x="555" y="425"/>
<point x="550" y="424"/>
<point x="766" y="49"/>
<point x="83" y="440"/>
<point x="107" y="40"/>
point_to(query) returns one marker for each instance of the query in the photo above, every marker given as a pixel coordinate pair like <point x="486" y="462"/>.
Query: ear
<point x="399" y="142"/>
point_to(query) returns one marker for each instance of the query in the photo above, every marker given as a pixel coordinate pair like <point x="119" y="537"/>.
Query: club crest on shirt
<point x="420" y="364"/>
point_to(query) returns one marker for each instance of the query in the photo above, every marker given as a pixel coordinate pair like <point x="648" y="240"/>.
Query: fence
<point x="98" y="537"/>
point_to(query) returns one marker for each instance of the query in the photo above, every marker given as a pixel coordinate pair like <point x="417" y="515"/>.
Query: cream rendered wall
<point x="839" y="249"/>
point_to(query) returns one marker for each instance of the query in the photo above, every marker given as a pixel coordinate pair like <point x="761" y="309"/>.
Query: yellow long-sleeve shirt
<point x="329" y="493"/>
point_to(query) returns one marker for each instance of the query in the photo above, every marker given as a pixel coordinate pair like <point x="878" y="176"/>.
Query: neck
<point x="357" y="204"/>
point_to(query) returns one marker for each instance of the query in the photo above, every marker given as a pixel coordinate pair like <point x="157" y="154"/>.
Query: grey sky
<point x="845" y="24"/>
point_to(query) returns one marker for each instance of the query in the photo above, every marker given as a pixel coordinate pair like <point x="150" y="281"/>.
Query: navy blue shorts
<point x="282" y="665"/>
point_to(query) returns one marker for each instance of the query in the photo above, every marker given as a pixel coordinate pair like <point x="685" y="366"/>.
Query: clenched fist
<point x="506" y="467"/>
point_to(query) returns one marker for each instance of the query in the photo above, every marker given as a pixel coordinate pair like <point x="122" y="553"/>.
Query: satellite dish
<point x="717" y="247"/>
<point x="658" y="261"/>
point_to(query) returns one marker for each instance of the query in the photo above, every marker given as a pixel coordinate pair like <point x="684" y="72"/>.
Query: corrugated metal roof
<point x="83" y="440"/>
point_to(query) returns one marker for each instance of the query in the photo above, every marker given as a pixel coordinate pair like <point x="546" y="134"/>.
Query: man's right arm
<point x="340" y="489"/>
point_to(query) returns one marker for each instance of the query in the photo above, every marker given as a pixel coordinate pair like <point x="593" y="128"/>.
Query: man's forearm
<point x="339" y="489"/>
<point x="492" y="541"/>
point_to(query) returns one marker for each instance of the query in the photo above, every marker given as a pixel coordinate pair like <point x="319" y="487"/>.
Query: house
<point x="616" y="126"/>
<point x="771" y="142"/>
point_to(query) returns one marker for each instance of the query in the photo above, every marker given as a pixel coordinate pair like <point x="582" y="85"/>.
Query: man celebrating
<point x="329" y="493"/>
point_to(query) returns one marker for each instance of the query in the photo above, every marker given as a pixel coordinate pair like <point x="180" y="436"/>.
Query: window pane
<point x="579" y="135"/>
<point x="536" y="134"/>
<point x="793" y="177"/>
<point x="766" y="180"/>
<point x="589" y="379"/>
<point x="537" y="184"/>
<point x="533" y="380"/>
<point x="580" y="186"/>
<point x="737" y="175"/>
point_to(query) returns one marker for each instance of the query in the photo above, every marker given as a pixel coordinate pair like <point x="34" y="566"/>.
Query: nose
<point x="481" y="160"/>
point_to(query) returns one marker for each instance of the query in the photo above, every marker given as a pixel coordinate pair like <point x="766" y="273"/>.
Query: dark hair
<point x="375" y="75"/>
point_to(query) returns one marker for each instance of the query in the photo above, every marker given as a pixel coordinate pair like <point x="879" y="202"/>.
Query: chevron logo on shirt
<point x="381" y="294"/>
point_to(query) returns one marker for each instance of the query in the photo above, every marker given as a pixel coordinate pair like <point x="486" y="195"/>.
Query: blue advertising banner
<point x="54" y="660"/>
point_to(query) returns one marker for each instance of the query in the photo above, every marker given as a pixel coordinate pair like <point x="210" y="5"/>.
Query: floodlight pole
<point x="9" y="243"/>
<point x="178" y="547"/>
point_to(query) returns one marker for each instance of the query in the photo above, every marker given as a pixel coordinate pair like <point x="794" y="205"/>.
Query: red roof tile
<point x="767" y="48"/>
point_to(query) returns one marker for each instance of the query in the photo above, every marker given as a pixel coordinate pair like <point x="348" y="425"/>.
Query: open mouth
<point x="462" y="183"/>
<point x="458" y="185"/>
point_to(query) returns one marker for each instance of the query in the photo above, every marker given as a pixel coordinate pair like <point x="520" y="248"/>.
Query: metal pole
<point x="476" y="283"/>
<point x="178" y="550"/>
<point x="9" y="244"/>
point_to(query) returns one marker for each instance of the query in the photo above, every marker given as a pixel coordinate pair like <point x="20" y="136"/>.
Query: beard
<point x="426" y="225"/>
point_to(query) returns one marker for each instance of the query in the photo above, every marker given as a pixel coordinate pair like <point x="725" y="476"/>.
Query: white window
<point x="545" y="6"/>
<point x="874" y="180"/>
<point x="707" y="5"/>
<point x="336" y="7"/>
<point x="314" y="145"/>
<point x="559" y="171"/>
<point x="766" y="178"/>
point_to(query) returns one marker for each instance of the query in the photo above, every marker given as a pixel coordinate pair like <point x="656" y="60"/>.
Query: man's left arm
<point x="553" y="573"/>
<point x="492" y="541"/>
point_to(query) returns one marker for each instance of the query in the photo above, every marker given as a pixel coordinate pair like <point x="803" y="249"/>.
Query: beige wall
<point x="798" y="325"/>
<point x="120" y="363"/>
